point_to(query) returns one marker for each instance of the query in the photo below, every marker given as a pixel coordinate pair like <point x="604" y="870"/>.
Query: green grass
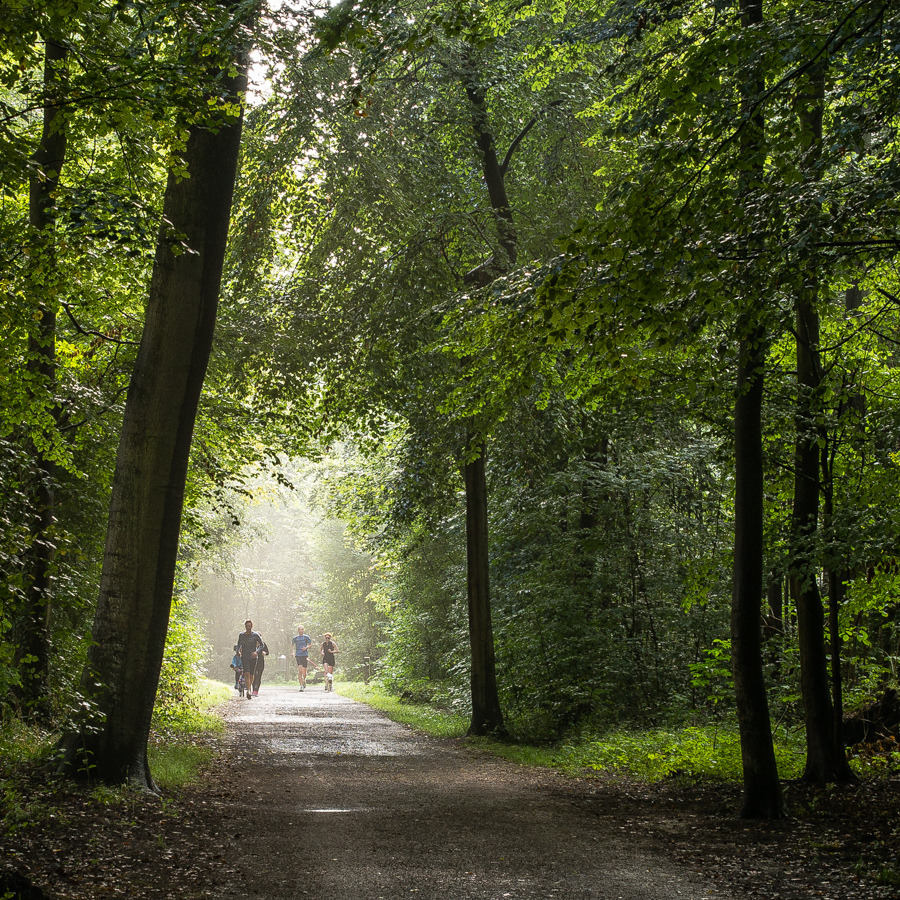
<point x="709" y="752"/>
<point x="178" y="749"/>
<point x="21" y="742"/>
<point x="175" y="759"/>
<point x="436" y="722"/>
<point x="699" y="752"/>
<point x="177" y="764"/>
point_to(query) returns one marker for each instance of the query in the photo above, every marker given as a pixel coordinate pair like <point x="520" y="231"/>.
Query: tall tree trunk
<point x="124" y="661"/>
<point x="810" y="613"/>
<point x="836" y="579"/>
<point x="762" y="797"/>
<point x="487" y="717"/>
<point x="32" y="634"/>
<point x="825" y="762"/>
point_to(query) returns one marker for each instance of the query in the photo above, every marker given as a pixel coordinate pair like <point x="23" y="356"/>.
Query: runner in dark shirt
<point x="262" y="653"/>
<point x="249" y="643"/>
<point x="329" y="648"/>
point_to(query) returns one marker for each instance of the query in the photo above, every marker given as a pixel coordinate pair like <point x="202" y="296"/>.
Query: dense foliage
<point x="684" y="195"/>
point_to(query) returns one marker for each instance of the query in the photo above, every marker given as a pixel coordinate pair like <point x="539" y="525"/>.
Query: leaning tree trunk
<point x="32" y="653"/>
<point x="124" y="661"/>
<point x="762" y="797"/>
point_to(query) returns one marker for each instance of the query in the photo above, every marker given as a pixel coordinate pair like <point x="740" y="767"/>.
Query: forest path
<point x="336" y="802"/>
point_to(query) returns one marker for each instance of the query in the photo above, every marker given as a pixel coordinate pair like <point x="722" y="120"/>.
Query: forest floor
<point x="311" y="794"/>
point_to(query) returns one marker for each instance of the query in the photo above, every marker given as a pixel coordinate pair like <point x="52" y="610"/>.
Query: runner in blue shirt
<point x="301" y="642"/>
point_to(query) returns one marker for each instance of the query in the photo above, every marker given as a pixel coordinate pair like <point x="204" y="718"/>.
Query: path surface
<point x="351" y="806"/>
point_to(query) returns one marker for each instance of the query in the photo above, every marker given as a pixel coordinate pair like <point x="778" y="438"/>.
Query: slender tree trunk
<point x="487" y="717"/>
<point x="762" y="797"/>
<point x="774" y="620"/>
<point x="32" y="635"/>
<point x="836" y="578"/>
<point x="762" y="790"/>
<point x="131" y="620"/>
<point x="835" y="598"/>
<point x="810" y="613"/>
<point x="825" y="762"/>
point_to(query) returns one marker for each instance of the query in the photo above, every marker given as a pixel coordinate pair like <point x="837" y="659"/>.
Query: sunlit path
<point x="351" y="806"/>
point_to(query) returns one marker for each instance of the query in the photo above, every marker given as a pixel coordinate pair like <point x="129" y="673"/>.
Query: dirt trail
<point x="346" y="805"/>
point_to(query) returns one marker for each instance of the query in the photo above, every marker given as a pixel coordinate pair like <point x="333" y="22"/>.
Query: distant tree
<point x="32" y="654"/>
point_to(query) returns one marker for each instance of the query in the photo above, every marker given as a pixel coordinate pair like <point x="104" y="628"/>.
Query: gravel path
<point x="344" y="804"/>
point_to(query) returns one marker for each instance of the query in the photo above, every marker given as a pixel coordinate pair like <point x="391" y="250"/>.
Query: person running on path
<point x="249" y="643"/>
<point x="260" y="665"/>
<point x="301" y="642"/>
<point x="329" y="648"/>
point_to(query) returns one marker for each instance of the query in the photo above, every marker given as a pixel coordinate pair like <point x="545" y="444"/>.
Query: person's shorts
<point x="302" y="661"/>
<point x="328" y="659"/>
<point x="249" y="669"/>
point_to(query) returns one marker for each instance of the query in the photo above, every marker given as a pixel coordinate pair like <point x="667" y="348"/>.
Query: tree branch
<point x="522" y="134"/>
<point x="87" y="332"/>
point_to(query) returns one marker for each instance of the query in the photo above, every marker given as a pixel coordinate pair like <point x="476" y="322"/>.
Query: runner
<point x="329" y="648"/>
<point x="249" y="643"/>
<point x="301" y="642"/>
<point x="260" y="665"/>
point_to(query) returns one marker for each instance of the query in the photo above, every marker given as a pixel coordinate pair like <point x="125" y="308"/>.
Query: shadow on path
<point x="332" y="800"/>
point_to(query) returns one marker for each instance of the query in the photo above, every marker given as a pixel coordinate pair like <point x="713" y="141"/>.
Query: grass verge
<point x="436" y="722"/>
<point x="179" y="746"/>
<point x="709" y="752"/>
<point x="178" y="764"/>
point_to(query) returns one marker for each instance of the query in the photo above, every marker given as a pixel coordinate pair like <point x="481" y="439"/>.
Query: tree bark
<point x="487" y="717"/>
<point x="837" y="576"/>
<point x="32" y="633"/>
<point x="762" y="796"/>
<point x="825" y="761"/>
<point x="129" y="633"/>
<point x="810" y="613"/>
<point x="490" y="168"/>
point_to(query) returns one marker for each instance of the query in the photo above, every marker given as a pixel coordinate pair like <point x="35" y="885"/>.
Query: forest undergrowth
<point x="708" y="751"/>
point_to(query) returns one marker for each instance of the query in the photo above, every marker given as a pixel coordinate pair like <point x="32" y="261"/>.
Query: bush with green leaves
<point x="184" y="662"/>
